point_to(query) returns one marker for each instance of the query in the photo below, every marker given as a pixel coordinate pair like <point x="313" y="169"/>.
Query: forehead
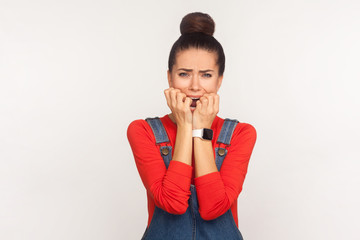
<point x="196" y="59"/>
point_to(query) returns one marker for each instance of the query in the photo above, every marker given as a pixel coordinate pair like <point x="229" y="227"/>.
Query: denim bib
<point x="190" y="225"/>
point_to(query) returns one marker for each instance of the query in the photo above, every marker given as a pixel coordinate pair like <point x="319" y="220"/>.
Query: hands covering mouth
<point x="198" y="111"/>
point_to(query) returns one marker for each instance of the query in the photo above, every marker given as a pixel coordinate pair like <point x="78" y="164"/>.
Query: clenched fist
<point x="207" y="107"/>
<point x="179" y="105"/>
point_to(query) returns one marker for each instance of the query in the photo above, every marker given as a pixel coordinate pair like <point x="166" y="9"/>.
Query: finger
<point x="216" y="103"/>
<point x="204" y="102"/>
<point x="173" y="97"/>
<point x="198" y="106"/>
<point x="167" y="96"/>
<point x="188" y="102"/>
<point x="210" y="106"/>
<point x="168" y="89"/>
<point x="180" y="97"/>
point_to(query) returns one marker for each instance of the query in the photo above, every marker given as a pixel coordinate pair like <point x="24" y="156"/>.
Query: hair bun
<point x="197" y="22"/>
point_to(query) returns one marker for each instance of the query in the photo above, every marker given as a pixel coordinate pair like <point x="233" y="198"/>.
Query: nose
<point x="195" y="84"/>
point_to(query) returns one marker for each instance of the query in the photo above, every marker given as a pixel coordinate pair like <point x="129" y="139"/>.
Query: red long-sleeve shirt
<point x="169" y="189"/>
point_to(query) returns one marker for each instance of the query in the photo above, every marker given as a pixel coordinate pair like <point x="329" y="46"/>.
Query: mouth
<point x="194" y="100"/>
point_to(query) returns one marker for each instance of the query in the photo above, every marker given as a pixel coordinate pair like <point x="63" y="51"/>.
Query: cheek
<point x="210" y="86"/>
<point x="180" y="83"/>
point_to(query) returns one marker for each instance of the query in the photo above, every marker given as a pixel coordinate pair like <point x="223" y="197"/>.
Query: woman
<point x="192" y="189"/>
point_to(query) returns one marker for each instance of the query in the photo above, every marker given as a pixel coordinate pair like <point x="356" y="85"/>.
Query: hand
<point x="179" y="105"/>
<point x="206" y="109"/>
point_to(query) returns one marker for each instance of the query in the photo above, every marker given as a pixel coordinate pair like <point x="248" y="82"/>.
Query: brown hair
<point x="196" y="32"/>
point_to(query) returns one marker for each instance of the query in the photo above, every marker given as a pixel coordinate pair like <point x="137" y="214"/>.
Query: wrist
<point x="202" y="123"/>
<point x="185" y="129"/>
<point x="200" y="126"/>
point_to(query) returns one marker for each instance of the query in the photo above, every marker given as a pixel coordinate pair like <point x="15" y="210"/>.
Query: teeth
<point x="194" y="98"/>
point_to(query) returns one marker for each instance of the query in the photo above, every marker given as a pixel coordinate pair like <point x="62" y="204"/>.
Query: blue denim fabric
<point x="190" y="225"/>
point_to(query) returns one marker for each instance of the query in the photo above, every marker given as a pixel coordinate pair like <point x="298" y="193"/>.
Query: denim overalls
<point x="190" y="225"/>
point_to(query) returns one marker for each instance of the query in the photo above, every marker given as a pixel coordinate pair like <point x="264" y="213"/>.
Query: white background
<point x="75" y="73"/>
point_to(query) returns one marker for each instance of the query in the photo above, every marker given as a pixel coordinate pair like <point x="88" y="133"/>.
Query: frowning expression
<point x="195" y="73"/>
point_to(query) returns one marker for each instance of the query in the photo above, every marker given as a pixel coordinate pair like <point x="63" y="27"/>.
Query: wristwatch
<point x="203" y="133"/>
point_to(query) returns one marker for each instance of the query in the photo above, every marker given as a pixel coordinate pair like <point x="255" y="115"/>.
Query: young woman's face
<point x="195" y="73"/>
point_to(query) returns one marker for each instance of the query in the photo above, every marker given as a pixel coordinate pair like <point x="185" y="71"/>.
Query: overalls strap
<point x="158" y="129"/>
<point x="227" y="131"/>
<point x="225" y="135"/>
<point x="161" y="138"/>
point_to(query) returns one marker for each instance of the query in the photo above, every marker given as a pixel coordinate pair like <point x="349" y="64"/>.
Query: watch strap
<point x="198" y="133"/>
<point x="203" y="133"/>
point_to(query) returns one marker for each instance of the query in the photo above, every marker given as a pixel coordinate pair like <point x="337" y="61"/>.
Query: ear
<point x="169" y="78"/>
<point x="219" y="82"/>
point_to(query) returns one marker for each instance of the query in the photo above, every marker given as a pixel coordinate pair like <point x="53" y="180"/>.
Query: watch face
<point x="208" y="134"/>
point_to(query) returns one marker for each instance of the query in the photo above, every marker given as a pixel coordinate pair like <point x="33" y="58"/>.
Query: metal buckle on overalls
<point x="165" y="151"/>
<point x="221" y="152"/>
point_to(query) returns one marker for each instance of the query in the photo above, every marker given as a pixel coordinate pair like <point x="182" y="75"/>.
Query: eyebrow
<point x="190" y="70"/>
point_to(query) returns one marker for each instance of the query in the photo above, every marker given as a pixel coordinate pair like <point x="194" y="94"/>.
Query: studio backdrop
<point x="74" y="74"/>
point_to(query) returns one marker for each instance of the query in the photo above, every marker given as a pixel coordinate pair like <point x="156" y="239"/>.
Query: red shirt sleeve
<point x="217" y="191"/>
<point x="170" y="188"/>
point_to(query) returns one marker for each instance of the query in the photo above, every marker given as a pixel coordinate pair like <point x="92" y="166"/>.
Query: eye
<point x="207" y="75"/>
<point x="183" y="74"/>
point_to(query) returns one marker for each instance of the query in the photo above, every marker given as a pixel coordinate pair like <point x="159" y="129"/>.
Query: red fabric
<point x="170" y="189"/>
